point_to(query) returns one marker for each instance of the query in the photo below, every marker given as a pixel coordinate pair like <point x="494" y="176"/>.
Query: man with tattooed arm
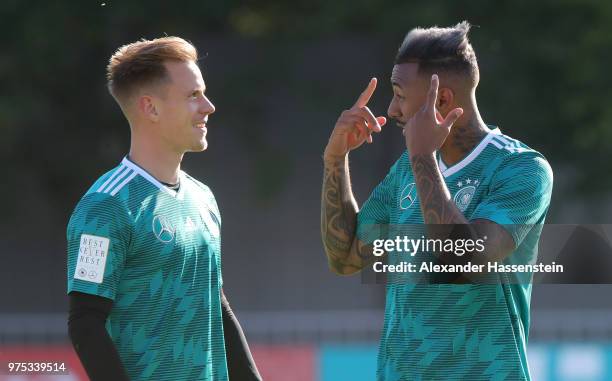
<point x="456" y="171"/>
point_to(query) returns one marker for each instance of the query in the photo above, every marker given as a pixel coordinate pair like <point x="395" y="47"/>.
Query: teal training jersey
<point x="471" y="331"/>
<point x="156" y="253"/>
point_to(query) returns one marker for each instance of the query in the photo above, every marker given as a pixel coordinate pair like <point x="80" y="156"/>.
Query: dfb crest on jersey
<point x="163" y="229"/>
<point x="465" y="193"/>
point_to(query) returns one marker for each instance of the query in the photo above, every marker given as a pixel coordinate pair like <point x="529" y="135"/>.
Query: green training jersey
<point x="468" y="331"/>
<point x="156" y="253"/>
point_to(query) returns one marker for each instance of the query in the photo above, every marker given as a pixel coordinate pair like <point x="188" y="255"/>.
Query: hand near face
<point x="427" y="130"/>
<point x="355" y="126"/>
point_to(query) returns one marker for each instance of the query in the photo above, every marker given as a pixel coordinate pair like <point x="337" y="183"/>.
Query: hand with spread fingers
<point x="355" y="126"/>
<point x="427" y="130"/>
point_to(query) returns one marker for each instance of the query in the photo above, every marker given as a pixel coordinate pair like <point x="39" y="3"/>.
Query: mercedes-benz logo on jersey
<point x="162" y="229"/>
<point x="464" y="196"/>
<point x="408" y="196"/>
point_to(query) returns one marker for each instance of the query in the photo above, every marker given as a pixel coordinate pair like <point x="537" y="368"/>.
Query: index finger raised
<point x="432" y="95"/>
<point x="365" y="96"/>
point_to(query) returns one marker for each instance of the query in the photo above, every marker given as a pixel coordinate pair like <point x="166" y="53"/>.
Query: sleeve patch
<point x="93" y="251"/>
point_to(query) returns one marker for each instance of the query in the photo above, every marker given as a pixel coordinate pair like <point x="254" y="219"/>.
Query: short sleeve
<point x="518" y="196"/>
<point x="216" y="216"/>
<point x="376" y="210"/>
<point x="98" y="235"/>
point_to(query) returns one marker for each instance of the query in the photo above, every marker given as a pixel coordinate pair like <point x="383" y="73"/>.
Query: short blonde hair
<point x="141" y="63"/>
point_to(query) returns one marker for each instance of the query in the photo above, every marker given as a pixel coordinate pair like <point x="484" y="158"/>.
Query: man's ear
<point x="148" y="107"/>
<point x="446" y="100"/>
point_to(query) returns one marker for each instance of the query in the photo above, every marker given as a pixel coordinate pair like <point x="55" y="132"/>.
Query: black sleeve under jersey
<point x="240" y="363"/>
<point x="86" y="328"/>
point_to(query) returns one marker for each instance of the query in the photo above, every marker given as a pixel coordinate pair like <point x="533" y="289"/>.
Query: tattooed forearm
<point x="444" y="220"/>
<point x="338" y="209"/>
<point x="338" y="216"/>
<point x="435" y="199"/>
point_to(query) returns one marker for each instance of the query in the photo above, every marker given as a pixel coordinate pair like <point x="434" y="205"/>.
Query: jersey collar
<point x="146" y="175"/>
<point x="449" y="171"/>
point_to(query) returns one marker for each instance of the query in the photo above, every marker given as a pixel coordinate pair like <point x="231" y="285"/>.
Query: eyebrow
<point x="394" y="83"/>
<point x="193" y="90"/>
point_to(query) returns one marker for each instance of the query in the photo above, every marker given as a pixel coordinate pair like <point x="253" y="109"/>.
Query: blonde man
<point x="144" y="258"/>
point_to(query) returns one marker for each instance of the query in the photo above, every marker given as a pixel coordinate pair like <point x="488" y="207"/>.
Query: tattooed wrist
<point x="436" y="204"/>
<point x="329" y="158"/>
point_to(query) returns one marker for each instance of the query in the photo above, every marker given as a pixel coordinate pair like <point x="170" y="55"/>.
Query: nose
<point x="394" y="111"/>
<point x="206" y="107"/>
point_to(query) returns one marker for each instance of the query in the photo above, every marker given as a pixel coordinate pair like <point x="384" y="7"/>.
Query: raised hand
<point x="427" y="130"/>
<point x="355" y="126"/>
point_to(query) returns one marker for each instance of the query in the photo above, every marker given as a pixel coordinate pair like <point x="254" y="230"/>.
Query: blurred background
<point x="279" y="74"/>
